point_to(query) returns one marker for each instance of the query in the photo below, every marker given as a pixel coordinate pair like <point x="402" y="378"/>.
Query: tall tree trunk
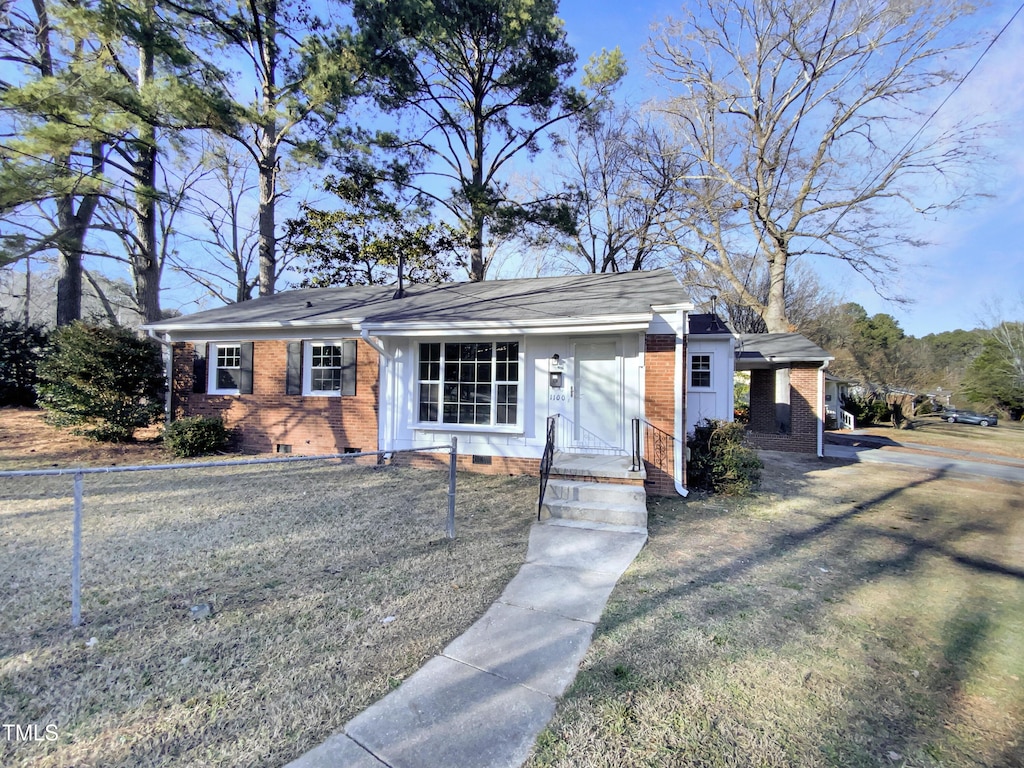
<point x="73" y="225"/>
<point x="145" y="259"/>
<point x="477" y="266"/>
<point x="267" y="209"/>
<point x="268" y="148"/>
<point x="775" y="311"/>
<point x="478" y="201"/>
<point x="69" y="274"/>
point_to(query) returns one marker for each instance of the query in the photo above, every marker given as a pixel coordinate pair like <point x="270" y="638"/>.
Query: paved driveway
<point x="965" y="463"/>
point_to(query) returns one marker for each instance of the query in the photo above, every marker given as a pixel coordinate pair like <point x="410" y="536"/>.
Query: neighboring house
<point x="331" y="370"/>
<point x="837" y="391"/>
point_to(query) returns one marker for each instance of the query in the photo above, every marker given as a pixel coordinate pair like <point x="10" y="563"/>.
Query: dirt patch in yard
<point x="847" y="615"/>
<point x="28" y="442"/>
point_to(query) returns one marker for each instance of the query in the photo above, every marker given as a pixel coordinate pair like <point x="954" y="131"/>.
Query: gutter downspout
<point x="821" y="410"/>
<point x="168" y="359"/>
<point x="679" y="468"/>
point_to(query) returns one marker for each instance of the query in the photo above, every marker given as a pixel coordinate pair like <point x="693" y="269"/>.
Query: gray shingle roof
<point x="761" y="349"/>
<point x="520" y="300"/>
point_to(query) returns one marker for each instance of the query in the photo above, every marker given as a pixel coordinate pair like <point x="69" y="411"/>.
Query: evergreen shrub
<point x="719" y="462"/>
<point x="103" y="382"/>
<point x="196" y="436"/>
<point x="21" y="349"/>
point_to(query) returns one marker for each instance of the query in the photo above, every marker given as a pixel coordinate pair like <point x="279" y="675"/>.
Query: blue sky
<point x="977" y="253"/>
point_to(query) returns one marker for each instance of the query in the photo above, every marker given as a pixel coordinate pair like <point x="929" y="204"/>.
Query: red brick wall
<point x="660" y="405"/>
<point x="762" y="402"/>
<point x="806" y="409"/>
<point x="268" y="417"/>
<point x="499" y="465"/>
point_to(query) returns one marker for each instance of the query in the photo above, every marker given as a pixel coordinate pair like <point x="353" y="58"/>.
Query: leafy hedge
<point x="719" y="462"/>
<point x="196" y="436"/>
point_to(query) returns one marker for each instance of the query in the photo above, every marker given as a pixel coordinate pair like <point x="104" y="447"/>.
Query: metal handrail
<point x="656" y="445"/>
<point x="546" y="460"/>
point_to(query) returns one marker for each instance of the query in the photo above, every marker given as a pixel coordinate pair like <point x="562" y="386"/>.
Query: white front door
<point x="597" y="379"/>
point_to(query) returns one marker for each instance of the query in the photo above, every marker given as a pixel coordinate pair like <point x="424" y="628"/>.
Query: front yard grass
<point x="846" y="616"/>
<point x="329" y="585"/>
<point x="1006" y="439"/>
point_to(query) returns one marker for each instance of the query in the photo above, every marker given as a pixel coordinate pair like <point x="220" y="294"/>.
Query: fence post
<point x="450" y="527"/>
<point x="76" y="556"/>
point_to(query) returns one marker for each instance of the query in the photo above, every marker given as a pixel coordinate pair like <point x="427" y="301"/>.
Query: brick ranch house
<point x="348" y="369"/>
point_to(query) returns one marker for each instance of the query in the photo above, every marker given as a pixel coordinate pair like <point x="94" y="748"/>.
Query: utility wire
<point x="917" y="134"/>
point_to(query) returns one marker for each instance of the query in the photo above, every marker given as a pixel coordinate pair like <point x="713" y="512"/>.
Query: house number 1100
<point x="557" y="396"/>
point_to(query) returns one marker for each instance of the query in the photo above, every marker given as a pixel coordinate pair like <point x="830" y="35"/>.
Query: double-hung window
<point x="700" y="371"/>
<point x="226" y="368"/>
<point x="330" y="368"/>
<point x="473" y="383"/>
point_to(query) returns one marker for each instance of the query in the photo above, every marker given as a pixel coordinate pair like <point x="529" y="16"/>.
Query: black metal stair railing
<point x="657" y="447"/>
<point x="546" y="460"/>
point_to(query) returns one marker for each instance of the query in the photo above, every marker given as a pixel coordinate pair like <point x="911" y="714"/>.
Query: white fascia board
<point x="251" y="331"/>
<point x="608" y="323"/>
<point x="686" y="306"/>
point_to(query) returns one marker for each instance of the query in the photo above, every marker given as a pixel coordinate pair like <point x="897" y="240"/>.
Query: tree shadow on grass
<point x="772" y="580"/>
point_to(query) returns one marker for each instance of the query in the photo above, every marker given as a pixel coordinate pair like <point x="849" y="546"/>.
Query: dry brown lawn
<point x="1005" y="439"/>
<point x="329" y="585"/>
<point x="846" y="616"/>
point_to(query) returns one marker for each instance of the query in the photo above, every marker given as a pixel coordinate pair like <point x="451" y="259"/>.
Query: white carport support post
<point x="821" y="410"/>
<point x="680" y="404"/>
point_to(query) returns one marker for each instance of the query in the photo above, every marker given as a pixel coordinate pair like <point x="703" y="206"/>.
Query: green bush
<point x="196" y="436"/>
<point x="104" y="382"/>
<point x="21" y="349"/>
<point x="866" y="412"/>
<point x="719" y="462"/>
<point x="879" y="412"/>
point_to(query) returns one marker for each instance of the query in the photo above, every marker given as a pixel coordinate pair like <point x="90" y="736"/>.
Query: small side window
<point x="700" y="371"/>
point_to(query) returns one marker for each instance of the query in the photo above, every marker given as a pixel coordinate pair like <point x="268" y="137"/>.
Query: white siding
<point x="399" y="388"/>
<point x="716" y="400"/>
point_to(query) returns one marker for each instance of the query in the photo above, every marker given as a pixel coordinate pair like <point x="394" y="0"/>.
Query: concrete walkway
<point x="483" y="701"/>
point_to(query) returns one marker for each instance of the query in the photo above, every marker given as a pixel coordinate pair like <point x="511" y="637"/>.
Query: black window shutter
<point x="199" y="357"/>
<point x="348" y="368"/>
<point x="245" y="374"/>
<point x="293" y="370"/>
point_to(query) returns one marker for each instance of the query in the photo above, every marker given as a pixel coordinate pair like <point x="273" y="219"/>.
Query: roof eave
<point x="175" y="329"/>
<point x="637" y="322"/>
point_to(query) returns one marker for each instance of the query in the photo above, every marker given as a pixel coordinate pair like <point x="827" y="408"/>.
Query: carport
<point x="787" y="391"/>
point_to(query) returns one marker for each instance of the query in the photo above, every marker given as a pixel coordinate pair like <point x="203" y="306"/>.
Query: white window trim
<point x="211" y="366"/>
<point x="307" y="368"/>
<point x="711" y="371"/>
<point x="515" y="428"/>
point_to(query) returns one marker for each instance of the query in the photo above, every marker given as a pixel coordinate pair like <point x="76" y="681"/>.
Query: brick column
<point x="660" y="397"/>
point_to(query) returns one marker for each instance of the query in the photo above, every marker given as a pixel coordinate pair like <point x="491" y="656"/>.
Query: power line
<point x="917" y="134"/>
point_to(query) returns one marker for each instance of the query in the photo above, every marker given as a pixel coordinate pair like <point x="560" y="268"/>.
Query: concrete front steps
<point x="595" y="490"/>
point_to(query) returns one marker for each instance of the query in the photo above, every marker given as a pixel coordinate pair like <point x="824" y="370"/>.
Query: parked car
<point x="969" y="417"/>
